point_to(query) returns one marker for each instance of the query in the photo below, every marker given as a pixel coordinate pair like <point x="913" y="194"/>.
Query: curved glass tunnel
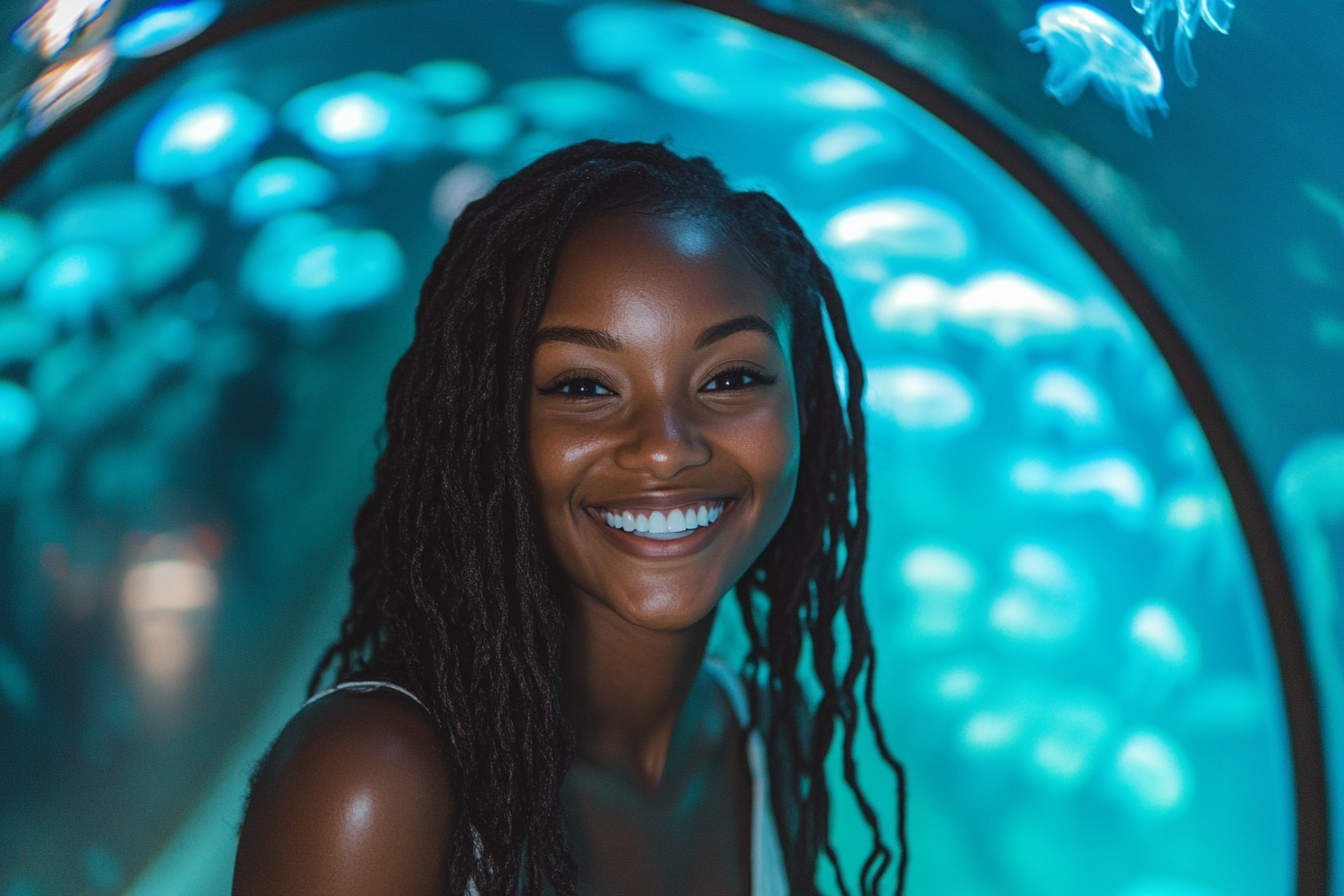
<point x="204" y="288"/>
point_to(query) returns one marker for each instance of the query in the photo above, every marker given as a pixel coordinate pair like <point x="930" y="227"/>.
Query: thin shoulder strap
<point x="363" y="687"/>
<point x="768" y="877"/>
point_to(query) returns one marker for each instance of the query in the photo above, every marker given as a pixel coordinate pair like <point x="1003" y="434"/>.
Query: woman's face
<point x="662" y="422"/>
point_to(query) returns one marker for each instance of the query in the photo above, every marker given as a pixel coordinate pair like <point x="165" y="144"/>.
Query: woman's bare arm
<point x="354" y="798"/>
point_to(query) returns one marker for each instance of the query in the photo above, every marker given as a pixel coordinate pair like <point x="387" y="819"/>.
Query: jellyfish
<point x="20" y="248"/>
<point x="1009" y="308"/>
<point x="1115" y="484"/>
<point x="279" y="185"/>
<point x="300" y="266"/>
<point x="942" y="580"/>
<point x="1087" y="46"/>
<point x="482" y="131"/>
<point x="461" y="185"/>
<point x="835" y="150"/>
<point x="72" y="282"/>
<point x="1048" y="599"/>
<point x="367" y="114"/>
<point x="450" y="83"/>
<point x="907" y="224"/>
<point x="199" y="133"/>
<point x="163" y="27"/>
<point x="1066" y="745"/>
<point x="923" y="397"/>
<point x="1217" y="14"/>
<point x="1162" y="650"/>
<point x="1151" y="773"/>
<point x="1058" y="398"/>
<point x="567" y="104"/>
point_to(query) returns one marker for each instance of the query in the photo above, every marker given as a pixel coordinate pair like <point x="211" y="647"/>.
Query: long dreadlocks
<point x="465" y="616"/>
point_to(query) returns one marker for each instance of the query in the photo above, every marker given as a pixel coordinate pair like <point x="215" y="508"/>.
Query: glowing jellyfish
<point x="451" y="82"/>
<point x="918" y="225"/>
<point x="1162" y="636"/>
<point x="1010" y="308"/>
<point x="456" y="189"/>
<point x="1058" y="397"/>
<point x="993" y="730"/>
<point x="1115" y="484"/>
<point x="1191" y="509"/>
<point x="51" y="28"/>
<point x="301" y="267"/>
<point x="166" y="26"/>
<point x="122" y="215"/>
<point x="616" y="37"/>
<point x="836" y="150"/>
<point x="959" y="683"/>
<point x="483" y="131"/>
<point x="197" y="134"/>
<point x="20" y="248"/>
<point x="278" y="185"/>
<point x="72" y="282"/>
<point x="23" y="334"/>
<point x="1086" y="46"/>
<point x="1048" y="600"/>
<point x="65" y="85"/>
<point x="942" y="581"/>
<point x="920" y="397"/>
<point x="566" y="104"/>
<point x="18" y="417"/>
<point x="1151" y="773"/>
<point x="1069" y="739"/>
<point x="1217" y="14"/>
<point x="840" y="92"/>
<point x="368" y="114"/>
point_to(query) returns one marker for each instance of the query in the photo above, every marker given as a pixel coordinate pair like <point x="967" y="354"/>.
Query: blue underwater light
<point x="208" y="274"/>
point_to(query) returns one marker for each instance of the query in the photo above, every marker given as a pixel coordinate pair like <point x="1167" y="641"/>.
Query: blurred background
<point x="1093" y="256"/>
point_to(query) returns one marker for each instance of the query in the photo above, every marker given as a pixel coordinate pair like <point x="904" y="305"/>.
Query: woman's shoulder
<point x="353" y="797"/>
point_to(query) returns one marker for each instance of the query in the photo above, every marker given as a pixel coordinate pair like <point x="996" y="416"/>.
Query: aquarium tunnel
<point x="1093" y="259"/>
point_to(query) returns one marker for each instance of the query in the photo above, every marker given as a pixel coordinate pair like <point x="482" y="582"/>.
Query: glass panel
<point x="205" y="293"/>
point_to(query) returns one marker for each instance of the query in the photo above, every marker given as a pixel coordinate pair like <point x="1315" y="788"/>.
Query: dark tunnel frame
<point x="1295" y="674"/>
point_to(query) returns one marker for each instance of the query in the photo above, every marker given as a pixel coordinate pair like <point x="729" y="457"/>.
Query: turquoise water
<point x="1074" y="661"/>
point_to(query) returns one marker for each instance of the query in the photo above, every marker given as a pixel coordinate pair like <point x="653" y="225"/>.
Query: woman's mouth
<point x="665" y="525"/>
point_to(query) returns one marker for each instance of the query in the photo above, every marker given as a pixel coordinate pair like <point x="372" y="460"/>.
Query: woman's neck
<point x="624" y="686"/>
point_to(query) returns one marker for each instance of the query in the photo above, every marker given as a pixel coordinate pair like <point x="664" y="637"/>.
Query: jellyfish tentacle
<point x="1185" y="60"/>
<point x="1137" y="115"/>
<point x="1066" y="82"/>
<point x="1217" y="14"/>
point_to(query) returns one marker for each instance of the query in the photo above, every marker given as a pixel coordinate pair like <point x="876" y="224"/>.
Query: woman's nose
<point x="662" y="439"/>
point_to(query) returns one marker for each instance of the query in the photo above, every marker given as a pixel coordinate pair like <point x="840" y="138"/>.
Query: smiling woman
<point x="619" y="406"/>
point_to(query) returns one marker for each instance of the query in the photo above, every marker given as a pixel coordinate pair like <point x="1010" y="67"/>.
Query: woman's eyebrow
<point x="736" y="325"/>
<point x="578" y="336"/>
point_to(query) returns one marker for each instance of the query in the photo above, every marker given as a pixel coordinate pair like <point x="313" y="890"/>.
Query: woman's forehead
<point x="641" y="270"/>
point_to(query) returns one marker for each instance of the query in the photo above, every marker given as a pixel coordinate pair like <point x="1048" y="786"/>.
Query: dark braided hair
<point x="464" y="614"/>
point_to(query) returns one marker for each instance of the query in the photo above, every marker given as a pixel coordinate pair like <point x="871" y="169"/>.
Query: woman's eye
<point x="731" y="380"/>
<point x="578" y="388"/>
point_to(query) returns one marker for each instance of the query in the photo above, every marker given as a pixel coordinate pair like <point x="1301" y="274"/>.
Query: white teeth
<point x="672" y="524"/>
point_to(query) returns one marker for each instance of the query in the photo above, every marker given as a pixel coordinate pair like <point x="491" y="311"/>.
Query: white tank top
<point x="767" y="859"/>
